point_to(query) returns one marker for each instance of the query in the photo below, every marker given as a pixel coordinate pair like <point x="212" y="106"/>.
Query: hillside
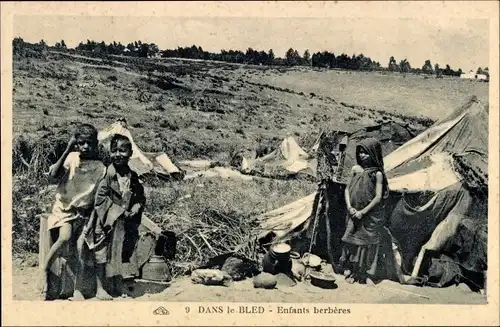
<point x="195" y="109"/>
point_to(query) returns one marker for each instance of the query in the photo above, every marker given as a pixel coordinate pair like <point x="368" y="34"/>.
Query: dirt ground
<point x="27" y="286"/>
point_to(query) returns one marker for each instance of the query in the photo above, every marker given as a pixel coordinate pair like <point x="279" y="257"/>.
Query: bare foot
<point x="350" y="280"/>
<point x="44" y="292"/>
<point x="77" y="296"/>
<point x="347" y="273"/>
<point x="414" y="281"/>
<point x="103" y="295"/>
<point x="370" y="282"/>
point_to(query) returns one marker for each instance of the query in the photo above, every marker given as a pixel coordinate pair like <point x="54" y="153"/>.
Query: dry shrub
<point x="215" y="216"/>
<point x="32" y="158"/>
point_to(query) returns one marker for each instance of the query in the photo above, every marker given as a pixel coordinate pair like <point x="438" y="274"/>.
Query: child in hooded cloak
<point x="364" y="196"/>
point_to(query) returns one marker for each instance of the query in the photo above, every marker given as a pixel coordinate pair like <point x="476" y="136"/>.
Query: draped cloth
<point x="77" y="185"/>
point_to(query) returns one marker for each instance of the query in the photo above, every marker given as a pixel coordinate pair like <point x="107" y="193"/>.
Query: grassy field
<point x="385" y="91"/>
<point x="200" y="110"/>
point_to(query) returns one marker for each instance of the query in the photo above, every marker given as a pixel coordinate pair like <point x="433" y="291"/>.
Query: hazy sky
<point x="459" y="43"/>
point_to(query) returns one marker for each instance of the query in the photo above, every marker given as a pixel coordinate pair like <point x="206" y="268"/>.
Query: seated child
<point x="116" y="218"/>
<point x="77" y="173"/>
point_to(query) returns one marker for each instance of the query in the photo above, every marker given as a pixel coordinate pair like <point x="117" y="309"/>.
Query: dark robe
<point x="362" y="236"/>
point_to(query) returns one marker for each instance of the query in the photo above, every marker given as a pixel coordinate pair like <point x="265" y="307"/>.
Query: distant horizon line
<point x="278" y="57"/>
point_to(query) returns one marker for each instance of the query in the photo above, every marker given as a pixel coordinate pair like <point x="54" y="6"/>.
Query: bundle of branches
<point x="33" y="157"/>
<point x="208" y="234"/>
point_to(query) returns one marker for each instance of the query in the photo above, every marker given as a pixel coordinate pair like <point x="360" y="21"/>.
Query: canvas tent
<point x="144" y="163"/>
<point x="437" y="179"/>
<point x="329" y="167"/>
<point x="288" y="160"/>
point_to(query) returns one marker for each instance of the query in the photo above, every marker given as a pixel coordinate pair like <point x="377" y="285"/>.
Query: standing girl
<point x="77" y="173"/>
<point x="116" y="218"/>
<point x="364" y="194"/>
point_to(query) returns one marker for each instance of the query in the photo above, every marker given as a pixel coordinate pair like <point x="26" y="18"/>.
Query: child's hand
<point x="352" y="211"/>
<point x="86" y="230"/>
<point x="72" y="141"/>
<point x="135" y="209"/>
<point x="358" y="215"/>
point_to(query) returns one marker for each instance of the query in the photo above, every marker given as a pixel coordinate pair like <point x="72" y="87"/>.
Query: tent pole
<point x="318" y="209"/>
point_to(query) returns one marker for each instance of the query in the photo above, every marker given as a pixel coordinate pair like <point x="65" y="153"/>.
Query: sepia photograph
<point x="287" y="160"/>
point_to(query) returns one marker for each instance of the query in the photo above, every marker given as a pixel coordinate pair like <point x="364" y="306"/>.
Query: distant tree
<point x="18" y="46"/>
<point x="153" y="50"/>
<point x="270" y="55"/>
<point x="427" y="67"/>
<point x="324" y="59"/>
<point x="101" y="48"/>
<point x="364" y="63"/>
<point x="316" y="60"/>
<point x="306" y="58"/>
<point x="292" y="57"/>
<point x="393" y="66"/>
<point x="448" y="71"/>
<point x="143" y="50"/>
<point x="404" y="66"/>
<point x="342" y="61"/>
<point x="437" y="70"/>
<point x="63" y="44"/>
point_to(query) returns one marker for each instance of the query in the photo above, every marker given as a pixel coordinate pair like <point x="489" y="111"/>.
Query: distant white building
<point x="469" y="75"/>
<point x="482" y="77"/>
<point x="472" y="75"/>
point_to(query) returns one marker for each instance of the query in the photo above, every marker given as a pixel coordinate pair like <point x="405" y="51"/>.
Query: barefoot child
<point x="364" y="193"/>
<point x="77" y="173"/>
<point x="116" y="218"/>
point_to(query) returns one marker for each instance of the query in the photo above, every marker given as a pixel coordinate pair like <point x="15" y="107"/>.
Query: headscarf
<point x="375" y="163"/>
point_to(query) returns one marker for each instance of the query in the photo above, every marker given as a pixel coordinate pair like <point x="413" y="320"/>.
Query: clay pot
<point x="156" y="269"/>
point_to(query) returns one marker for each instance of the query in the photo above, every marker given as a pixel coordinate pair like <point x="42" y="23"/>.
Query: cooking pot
<point x="281" y="251"/>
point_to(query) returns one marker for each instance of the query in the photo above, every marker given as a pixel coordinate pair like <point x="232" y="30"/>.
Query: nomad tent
<point x="144" y="163"/>
<point x="286" y="161"/>
<point x="290" y="160"/>
<point x="437" y="179"/>
<point x="334" y="151"/>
